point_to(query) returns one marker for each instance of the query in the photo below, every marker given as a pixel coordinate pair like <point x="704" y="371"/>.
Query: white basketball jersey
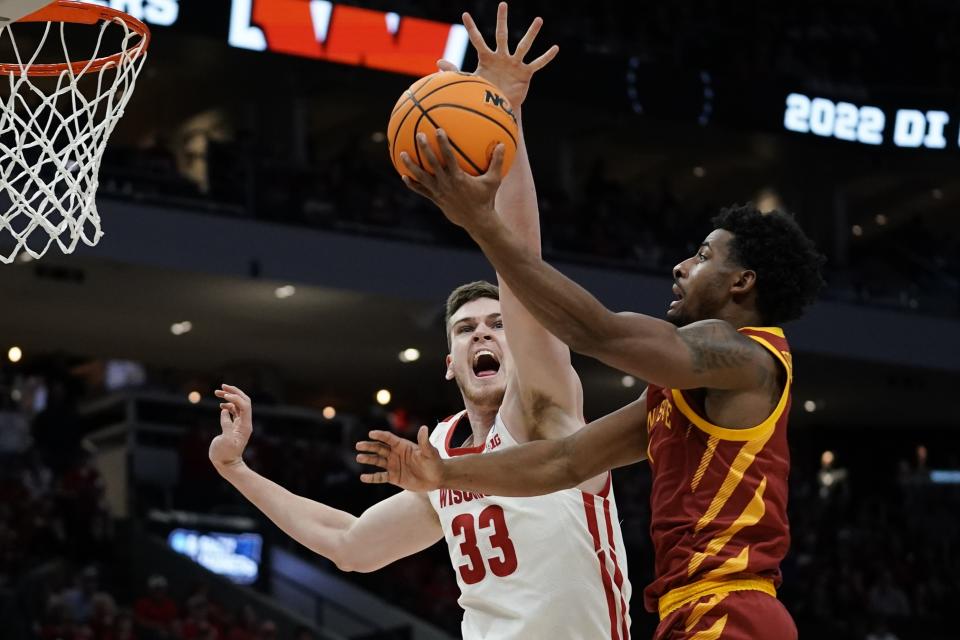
<point x="550" y="567"/>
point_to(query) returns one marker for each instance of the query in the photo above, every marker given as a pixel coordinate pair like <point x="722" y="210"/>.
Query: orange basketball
<point x="473" y="112"/>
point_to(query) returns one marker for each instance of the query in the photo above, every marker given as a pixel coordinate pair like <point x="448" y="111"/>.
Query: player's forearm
<point x="517" y="196"/>
<point x="560" y="305"/>
<point x="531" y="469"/>
<point x="316" y="526"/>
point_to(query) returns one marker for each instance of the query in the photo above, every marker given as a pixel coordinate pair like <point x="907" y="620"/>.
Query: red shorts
<point x="739" y="615"/>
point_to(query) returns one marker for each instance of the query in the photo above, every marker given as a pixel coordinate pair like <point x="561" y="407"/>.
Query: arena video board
<point x="317" y="29"/>
<point x="909" y="128"/>
<point x="236" y="556"/>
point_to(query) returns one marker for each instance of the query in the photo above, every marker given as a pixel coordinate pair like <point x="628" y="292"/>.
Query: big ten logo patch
<point x="494" y="442"/>
<point x="661" y="415"/>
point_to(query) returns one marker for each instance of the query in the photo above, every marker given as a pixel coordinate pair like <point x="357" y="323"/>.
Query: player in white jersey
<point x="546" y="567"/>
<point x="549" y="567"/>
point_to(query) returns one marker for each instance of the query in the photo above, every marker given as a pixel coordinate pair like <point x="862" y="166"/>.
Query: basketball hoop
<point x="55" y="120"/>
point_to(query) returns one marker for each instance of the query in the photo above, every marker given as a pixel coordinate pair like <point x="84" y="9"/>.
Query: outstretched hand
<point x="506" y="70"/>
<point x="236" y="424"/>
<point x="414" y="467"/>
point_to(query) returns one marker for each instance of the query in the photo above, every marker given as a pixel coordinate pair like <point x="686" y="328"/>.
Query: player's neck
<point x="740" y="317"/>
<point x="481" y="421"/>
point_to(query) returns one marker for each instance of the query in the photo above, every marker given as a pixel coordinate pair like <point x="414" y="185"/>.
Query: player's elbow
<point x="341" y="554"/>
<point x="351" y="565"/>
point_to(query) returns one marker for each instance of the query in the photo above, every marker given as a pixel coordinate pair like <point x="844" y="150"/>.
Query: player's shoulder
<point x="774" y="343"/>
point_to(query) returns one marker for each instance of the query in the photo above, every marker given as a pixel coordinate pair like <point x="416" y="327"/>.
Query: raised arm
<point x="395" y="528"/>
<point x="707" y="354"/>
<point x="542" y="362"/>
<point x="531" y="469"/>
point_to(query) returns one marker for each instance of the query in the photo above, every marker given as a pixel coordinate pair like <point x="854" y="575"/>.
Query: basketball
<point x="472" y="111"/>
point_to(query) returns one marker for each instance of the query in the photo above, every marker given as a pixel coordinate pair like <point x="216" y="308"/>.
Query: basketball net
<point x="55" y="120"/>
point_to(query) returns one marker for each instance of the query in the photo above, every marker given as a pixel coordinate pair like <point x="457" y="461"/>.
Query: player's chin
<point x="488" y="386"/>
<point x="675" y="317"/>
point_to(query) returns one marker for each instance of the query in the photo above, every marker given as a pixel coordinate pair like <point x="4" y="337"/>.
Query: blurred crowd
<point x="646" y="227"/>
<point x="80" y="605"/>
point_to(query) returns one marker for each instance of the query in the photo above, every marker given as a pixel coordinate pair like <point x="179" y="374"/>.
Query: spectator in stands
<point x="245" y="626"/>
<point x="268" y="630"/>
<point x="79" y="599"/>
<point x="37" y="478"/>
<point x="888" y="599"/>
<point x="103" y="617"/>
<point x="156" y="612"/>
<point x="199" y="624"/>
<point x="56" y="624"/>
<point x="123" y="628"/>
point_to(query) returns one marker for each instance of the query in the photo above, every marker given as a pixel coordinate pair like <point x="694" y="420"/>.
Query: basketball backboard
<point x="13" y="10"/>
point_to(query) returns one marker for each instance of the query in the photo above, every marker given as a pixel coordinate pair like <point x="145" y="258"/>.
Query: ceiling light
<point x="383" y="397"/>
<point x="14" y="354"/>
<point x="193" y="397"/>
<point x="699" y="172"/>
<point x="180" y="328"/>
<point x="809" y="406"/>
<point x="857" y="230"/>
<point x="329" y="413"/>
<point x="285" y="291"/>
<point x="410" y="355"/>
<point x="881" y="219"/>
<point x="628" y="381"/>
<point x="768" y="200"/>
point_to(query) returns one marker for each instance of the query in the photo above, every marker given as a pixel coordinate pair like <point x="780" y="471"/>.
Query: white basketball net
<point x="53" y="133"/>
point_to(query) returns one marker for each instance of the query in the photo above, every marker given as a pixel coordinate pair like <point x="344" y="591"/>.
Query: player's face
<point x="479" y="359"/>
<point x="702" y="282"/>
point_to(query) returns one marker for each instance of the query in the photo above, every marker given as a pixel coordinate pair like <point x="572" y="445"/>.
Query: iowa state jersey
<point x="719" y="496"/>
<point x="552" y="566"/>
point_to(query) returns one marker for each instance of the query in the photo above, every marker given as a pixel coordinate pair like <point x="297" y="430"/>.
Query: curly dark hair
<point x="785" y="260"/>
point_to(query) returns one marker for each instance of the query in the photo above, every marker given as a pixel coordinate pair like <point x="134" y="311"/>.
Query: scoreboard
<point x="317" y="29"/>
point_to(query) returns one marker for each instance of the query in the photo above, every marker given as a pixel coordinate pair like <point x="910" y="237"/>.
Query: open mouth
<point x="485" y="364"/>
<point x="678" y="292"/>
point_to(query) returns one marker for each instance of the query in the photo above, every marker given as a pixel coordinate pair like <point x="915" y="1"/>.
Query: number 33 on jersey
<point x="551" y="566"/>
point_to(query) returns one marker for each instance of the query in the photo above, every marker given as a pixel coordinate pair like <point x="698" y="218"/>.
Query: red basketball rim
<point x="81" y="13"/>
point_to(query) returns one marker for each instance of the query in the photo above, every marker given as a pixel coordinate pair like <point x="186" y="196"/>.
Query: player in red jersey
<point x="712" y="421"/>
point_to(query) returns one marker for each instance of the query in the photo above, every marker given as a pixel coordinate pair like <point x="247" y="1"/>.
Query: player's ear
<point x="449" y="375"/>
<point x="745" y="283"/>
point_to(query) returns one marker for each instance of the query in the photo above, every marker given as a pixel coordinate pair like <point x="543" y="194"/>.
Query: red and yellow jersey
<point x="719" y="497"/>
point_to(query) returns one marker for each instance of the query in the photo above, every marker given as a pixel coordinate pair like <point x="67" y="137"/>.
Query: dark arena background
<point x="257" y="234"/>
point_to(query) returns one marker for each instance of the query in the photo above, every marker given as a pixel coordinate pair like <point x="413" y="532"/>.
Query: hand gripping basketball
<point x="414" y="467"/>
<point x="467" y="201"/>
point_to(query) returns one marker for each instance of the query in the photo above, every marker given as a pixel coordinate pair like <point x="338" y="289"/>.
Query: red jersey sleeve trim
<point x="460" y="451"/>
<point x="759" y="431"/>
